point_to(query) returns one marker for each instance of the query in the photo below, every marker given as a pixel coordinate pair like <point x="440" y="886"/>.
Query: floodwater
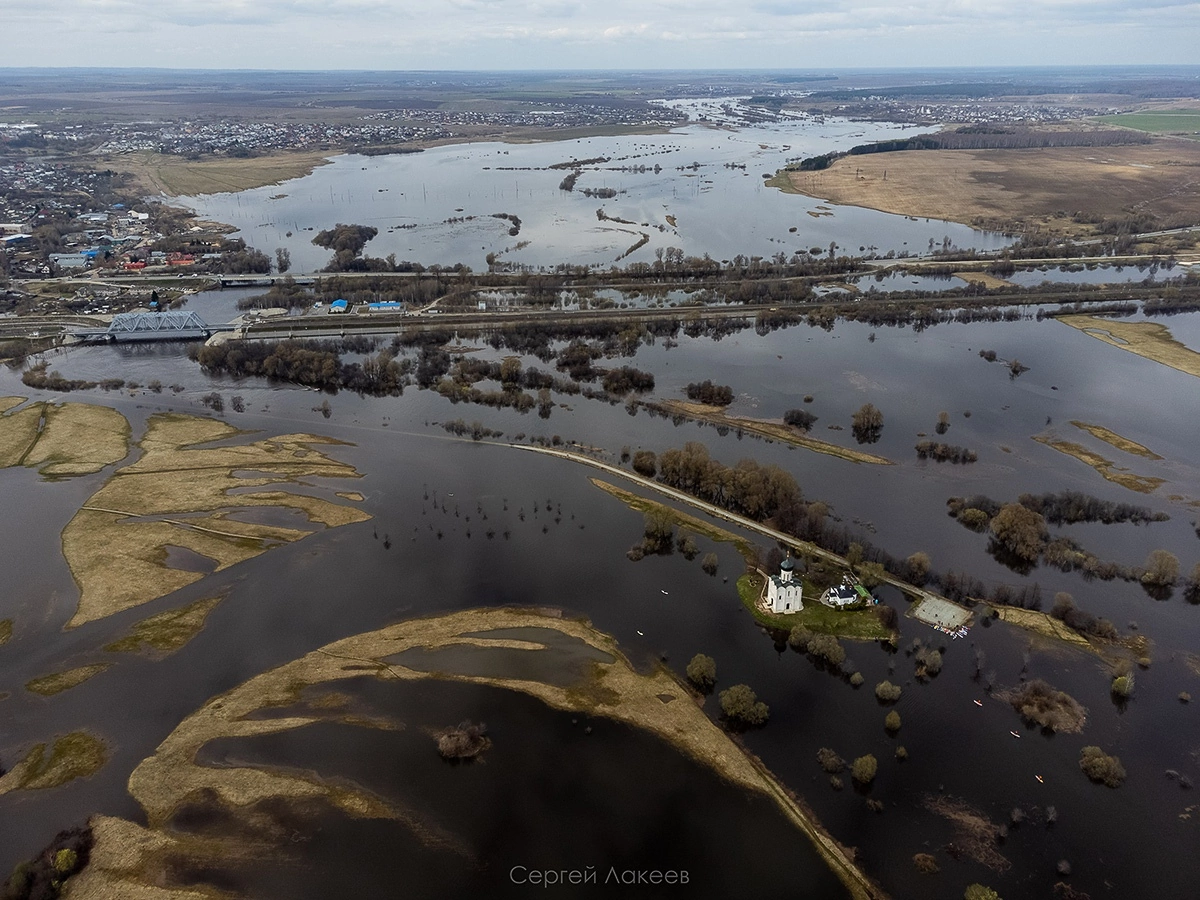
<point x="555" y="791"/>
<point x="551" y="539"/>
<point x="439" y="206"/>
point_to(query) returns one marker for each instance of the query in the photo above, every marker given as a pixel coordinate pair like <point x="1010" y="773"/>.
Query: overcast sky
<point x="616" y="34"/>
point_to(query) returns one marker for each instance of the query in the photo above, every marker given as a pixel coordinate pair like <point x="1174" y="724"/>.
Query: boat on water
<point x="978" y="702"/>
<point x="1014" y="734"/>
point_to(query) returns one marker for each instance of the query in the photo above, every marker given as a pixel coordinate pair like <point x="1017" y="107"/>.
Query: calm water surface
<point x="343" y="582"/>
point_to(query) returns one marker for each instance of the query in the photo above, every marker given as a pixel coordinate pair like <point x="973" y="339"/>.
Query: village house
<point x="846" y="593"/>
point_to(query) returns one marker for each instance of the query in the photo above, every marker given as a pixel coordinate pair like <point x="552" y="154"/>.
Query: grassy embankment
<point x="1045" y="625"/>
<point x="177" y="176"/>
<point x="118" y="558"/>
<point x="1012" y="189"/>
<point x="161" y="635"/>
<point x="75" y="755"/>
<point x="56" y="683"/>
<point x="76" y="439"/>
<point x="1113" y="439"/>
<point x="776" y="431"/>
<point x="684" y="521"/>
<point x="1147" y="339"/>
<point x="1143" y="484"/>
<point x="852" y="624"/>
<point x="128" y="857"/>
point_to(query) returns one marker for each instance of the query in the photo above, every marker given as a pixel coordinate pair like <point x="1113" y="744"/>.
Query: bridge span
<point x="161" y="326"/>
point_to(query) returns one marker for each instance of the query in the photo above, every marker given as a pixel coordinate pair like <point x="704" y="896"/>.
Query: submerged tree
<point x="1020" y="531"/>
<point x="702" y="671"/>
<point x="867" y="424"/>
<point x="1101" y="768"/>
<point x="741" y="706"/>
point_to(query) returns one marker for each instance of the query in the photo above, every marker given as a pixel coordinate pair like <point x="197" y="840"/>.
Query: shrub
<point x="916" y="568"/>
<point x="830" y="761"/>
<point x="929" y="662"/>
<point x="867" y="424"/>
<point x="864" y="768"/>
<point x="975" y="519"/>
<point x="888" y="692"/>
<point x="645" y="463"/>
<point x="1122" y="686"/>
<point x="799" y="418"/>
<point x="1185" y="697"/>
<point x="1101" y="768"/>
<point x="799" y="637"/>
<point x="836" y="782"/>
<point x="925" y="863"/>
<point x="857" y="679"/>
<point x="702" y="672"/>
<point x="828" y="648"/>
<point x="712" y="394"/>
<point x="465" y="741"/>
<point x="687" y="546"/>
<point x="979" y="892"/>
<point x="709" y="563"/>
<point x="742" y="707"/>
<point x="1020" y="531"/>
<point x="892" y="722"/>
<point x="902" y="753"/>
<point x="1042" y="704"/>
<point x="1162" y="569"/>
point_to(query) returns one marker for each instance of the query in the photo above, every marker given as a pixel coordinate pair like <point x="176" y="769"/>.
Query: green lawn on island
<point x="854" y="624"/>
<point x="1159" y="121"/>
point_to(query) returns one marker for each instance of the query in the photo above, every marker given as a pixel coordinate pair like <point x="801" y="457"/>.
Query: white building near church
<point x="784" y="593"/>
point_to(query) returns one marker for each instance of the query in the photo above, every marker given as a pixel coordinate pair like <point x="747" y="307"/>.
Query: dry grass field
<point x="116" y="545"/>
<point x="175" y="176"/>
<point x="77" y="439"/>
<point x="1004" y="188"/>
<point x="1150" y="340"/>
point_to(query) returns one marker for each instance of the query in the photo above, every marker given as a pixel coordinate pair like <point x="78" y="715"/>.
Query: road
<point x="805" y="547"/>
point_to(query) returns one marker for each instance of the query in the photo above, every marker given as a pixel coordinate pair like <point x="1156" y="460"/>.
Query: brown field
<point x="117" y="555"/>
<point x="75" y="755"/>
<point x="1143" y="484"/>
<point x="1147" y="339"/>
<point x="78" y="438"/>
<point x="1112" y="438"/>
<point x="129" y="858"/>
<point x="49" y="685"/>
<point x="163" y="634"/>
<point x="1006" y="188"/>
<point x="176" y="176"/>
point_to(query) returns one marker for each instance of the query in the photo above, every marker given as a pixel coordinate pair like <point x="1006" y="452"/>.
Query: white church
<point x="784" y="593"/>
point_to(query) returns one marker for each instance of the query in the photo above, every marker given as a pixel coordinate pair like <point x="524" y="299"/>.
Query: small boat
<point x="640" y="633"/>
<point x="663" y="591"/>
<point x="1013" y="733"/>
<point x="1039" y="778"/>
<point x="978" y="702"/>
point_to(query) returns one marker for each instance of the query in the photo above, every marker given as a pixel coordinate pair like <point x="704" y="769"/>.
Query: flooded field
<point x="698" y="188"/>
<point x="457" y="525"/>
